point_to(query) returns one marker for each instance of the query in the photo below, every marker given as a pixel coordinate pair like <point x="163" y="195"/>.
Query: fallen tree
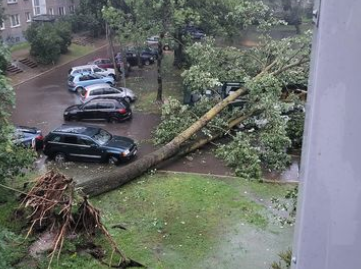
<point x="108" y="182"/>
<point x="265" y="70"/>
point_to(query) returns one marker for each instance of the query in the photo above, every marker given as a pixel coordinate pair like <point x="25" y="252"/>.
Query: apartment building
<point x="20" y="13"/>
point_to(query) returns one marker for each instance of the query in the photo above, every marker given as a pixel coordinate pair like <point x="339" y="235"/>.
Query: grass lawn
<point x="75" y="51"/>
<point x="187" y="221"/>
<point x="144" y="84"/>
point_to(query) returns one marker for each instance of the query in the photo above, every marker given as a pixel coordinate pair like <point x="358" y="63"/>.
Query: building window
<point x="12" y="1"/>
<point x="71" y="9"/>
<point x="36" y="5"/>
<point x="2" y="26"/>
<point x="51" y="11"/>
<point x="61" y="11"/>
<point x="14" y="20"/>
<point x="28" y="16"/>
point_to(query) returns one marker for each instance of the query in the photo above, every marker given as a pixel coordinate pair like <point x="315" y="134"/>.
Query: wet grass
<point x="75" y="51"/>
<point x="20" y="46"/>
<point x="176" y="221"/>
<point x="144" y="83"/>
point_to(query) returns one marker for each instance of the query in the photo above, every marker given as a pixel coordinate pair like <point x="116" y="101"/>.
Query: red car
<point x="107" y="63"/>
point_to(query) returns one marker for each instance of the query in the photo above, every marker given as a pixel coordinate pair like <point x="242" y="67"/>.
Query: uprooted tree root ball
<point x="57" y="208"/>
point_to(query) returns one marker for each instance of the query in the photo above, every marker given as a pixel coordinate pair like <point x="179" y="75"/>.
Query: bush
<point x="48" y="41"/>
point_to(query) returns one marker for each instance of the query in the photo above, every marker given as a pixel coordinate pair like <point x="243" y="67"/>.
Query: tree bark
<point x="112" y="55"/>
<point x="159" y="70"/>
<point x="108" y="182"/>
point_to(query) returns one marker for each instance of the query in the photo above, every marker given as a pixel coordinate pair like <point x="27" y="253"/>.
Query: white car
<point x="153" y="40"/>
<point x="107" y="72"/>
<point x="103" y="90"/>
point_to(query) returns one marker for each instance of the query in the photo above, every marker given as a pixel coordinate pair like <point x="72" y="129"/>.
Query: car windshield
<point x="102" y="137"/>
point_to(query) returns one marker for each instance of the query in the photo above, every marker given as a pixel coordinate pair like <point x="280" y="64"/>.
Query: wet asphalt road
<point x="41" y="101"/>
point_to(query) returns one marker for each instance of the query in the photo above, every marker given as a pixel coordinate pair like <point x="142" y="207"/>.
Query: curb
<point x="291" y="182"/>
<point x="57" y="66"/>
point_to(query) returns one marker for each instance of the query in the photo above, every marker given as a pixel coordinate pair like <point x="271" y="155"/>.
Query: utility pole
<point x="328" y="225"/>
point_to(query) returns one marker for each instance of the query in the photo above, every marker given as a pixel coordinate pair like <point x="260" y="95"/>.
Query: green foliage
<point x="12" y="158"/>
<point x="11" y="249"/>
<point x="177" y="117"/>
<point x="288" y="204"/>
<point x="294" y="129"/>
<point x="284" y="262"/>
<point x="63" y="30"/>
<point x="240" y="155"/>
<point x="48" y="41"/>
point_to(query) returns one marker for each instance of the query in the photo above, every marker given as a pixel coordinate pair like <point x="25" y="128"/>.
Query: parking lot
<point x="41" y="101"/>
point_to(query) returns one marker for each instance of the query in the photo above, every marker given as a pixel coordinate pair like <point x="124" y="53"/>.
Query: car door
<point x="88" y="111"/>
<point x="68" y="145"/>
<point x="105" y="110"/>
<point x="88" y="149"/>
<point x="91" y="79"/>
<point x="113" y="92"/>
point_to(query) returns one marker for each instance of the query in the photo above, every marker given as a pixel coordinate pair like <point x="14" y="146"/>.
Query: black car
<point x="195" y="33"/>
<point x="77" y="142"/>
<point x="145" y="57"/>
<point x="110" y="109"/>
<point x="28" y="137"/>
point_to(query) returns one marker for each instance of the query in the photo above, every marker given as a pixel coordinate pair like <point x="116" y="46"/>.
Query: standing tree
<point x="12" y="159"/>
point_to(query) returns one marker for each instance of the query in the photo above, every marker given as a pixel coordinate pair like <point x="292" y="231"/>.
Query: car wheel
<point x="79" y="90"/>
<point x="112" y="160"/>
<point x="146" y="62"/>
<point x="59" y="157"/>
<point x="113" y="119"/>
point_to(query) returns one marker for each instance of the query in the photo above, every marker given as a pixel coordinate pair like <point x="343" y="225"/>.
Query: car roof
<point x="77" y="129"/>
<point x="27" y="129"/>
<point x="85" y="66"/>
<point x="103" y="100"/>
<point x="98" y="86"/>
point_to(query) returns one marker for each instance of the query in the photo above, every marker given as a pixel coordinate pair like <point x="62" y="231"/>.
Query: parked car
<point x="108" y="63"/>
<point x="91" y="68"/>
<point x="76" y="83"/>
<point x="196" y="33"/>
<point x="28" y="137"/>
<point x="113" y="110"/>
<point x="151" y="51"/>
<point x="78" y="142"/>
<point x="154" y="40"/>
<point x="132" y="57"/>
<point x="105" y="91"/>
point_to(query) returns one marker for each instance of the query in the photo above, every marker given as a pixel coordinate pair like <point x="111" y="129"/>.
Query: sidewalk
<point x="29" y="73"/>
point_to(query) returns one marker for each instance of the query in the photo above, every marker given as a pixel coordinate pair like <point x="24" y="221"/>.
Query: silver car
<point x="104" y="90"/>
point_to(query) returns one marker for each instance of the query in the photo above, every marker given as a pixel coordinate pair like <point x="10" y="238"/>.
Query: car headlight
<point x="125" y="152"/>
<point x="66" y="113"/>
<point x="151" y="58"/>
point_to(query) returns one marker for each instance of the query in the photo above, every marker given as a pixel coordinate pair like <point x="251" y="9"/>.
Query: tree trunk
<point x="112" y="54"/>
<point x="178" y="51"/>
<point x="108" y="182"/>
<point x="159" y="69"/>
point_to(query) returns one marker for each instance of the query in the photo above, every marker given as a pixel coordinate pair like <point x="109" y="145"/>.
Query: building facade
<point x="20" y="13"/>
